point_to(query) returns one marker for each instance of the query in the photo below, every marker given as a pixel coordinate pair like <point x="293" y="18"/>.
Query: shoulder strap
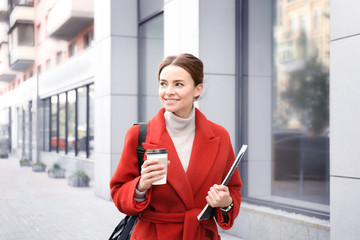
<point x="140" y="149"/>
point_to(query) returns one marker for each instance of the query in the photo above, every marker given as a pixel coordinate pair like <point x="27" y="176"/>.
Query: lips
<point x="171" y="100"/>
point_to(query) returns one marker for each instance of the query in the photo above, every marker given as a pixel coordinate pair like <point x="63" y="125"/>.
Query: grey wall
<point x="344" y="119"/>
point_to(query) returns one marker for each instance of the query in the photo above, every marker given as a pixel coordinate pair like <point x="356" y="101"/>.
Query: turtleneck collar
<point x="177" y="124"/>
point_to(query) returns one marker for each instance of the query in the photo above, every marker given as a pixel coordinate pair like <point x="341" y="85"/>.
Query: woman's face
<point x="177" y="90"/>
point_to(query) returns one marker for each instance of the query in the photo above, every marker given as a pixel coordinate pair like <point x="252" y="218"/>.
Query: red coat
<point x="169" y="211"/>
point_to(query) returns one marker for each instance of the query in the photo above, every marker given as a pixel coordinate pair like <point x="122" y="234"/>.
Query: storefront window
<point x="91" y="119"/>
<point x="46" y="124"/>
<point x="71" y="122"/>
<point x="82" y="123"/>
<point x="71" y="97"/>
<point x="285" y="85"/>
<point x="54" y="123"/>
<point x="300" y="112"/>
<point x="62" y="122"/>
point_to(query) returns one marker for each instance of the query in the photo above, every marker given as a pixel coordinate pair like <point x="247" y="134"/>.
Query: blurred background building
<point x="76" y="74"/>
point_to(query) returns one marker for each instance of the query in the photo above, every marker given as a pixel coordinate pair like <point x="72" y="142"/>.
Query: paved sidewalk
<point x="34" y="206"/>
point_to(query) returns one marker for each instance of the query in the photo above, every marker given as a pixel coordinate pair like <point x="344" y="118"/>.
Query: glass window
<point x="91" y="119"/>
<point x="46" y="124"/>
<point x="25" y="35"/>
<point x="71" y="118"/>
<point x="72" y="49"/>
<point x="54" y="123"/>
<point x="152" y="53"/>
<point x="59" y="57"/>
<point x="300" y="113"/>
<point x="285" y="80"/>
<point x="82" y="123"/>
<point x="62" y="122"/>
<point x="89" y="39"/>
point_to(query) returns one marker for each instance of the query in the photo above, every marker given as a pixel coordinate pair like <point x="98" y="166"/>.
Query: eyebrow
<point x="176" y="80"/>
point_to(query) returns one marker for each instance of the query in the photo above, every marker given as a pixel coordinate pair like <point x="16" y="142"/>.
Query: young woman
<point x="200" y="154"/>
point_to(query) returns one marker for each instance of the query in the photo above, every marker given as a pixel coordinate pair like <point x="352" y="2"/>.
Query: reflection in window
<point x="300" y="114"/>
<point x="26" y="35"/>
<point x="62" y="122"/>
<point x="81" y="125"/>
<point x="71" y="121"/>
<point x="151" y="50"/>
<point x="91" y="119"/>
<point x="54" y="113"/>
<point x="46" y="124"/>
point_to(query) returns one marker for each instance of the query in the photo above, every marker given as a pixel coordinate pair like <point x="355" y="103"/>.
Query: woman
<point x="200" y="154"/>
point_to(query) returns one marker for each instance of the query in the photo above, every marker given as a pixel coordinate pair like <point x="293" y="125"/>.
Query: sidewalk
<point x="34" y="206"/>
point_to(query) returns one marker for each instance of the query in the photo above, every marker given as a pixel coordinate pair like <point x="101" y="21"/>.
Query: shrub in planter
<point x="38" y="167"/>
<point x="79" y="179"/>
<point x="25" y="162"/>
<point x="56" y="171"/>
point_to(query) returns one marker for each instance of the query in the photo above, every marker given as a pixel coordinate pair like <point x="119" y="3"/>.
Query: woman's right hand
<point x="151" y="171"/>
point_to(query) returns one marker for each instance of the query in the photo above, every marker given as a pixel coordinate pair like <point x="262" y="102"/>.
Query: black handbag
<point x="124" y="229"/>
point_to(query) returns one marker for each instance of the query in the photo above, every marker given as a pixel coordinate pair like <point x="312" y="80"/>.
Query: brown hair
<point x="190" y="63"/>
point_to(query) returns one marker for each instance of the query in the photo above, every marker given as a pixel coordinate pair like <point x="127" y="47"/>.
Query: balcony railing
<point x="21" y="57"/>
<point x="68" y="17"/>
<point x="21" y="13"/>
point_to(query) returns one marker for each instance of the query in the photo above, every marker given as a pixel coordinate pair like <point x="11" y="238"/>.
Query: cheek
<point x="161" y="92"/>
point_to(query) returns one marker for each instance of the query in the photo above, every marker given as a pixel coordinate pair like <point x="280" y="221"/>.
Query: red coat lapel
<point x="203" y="153"/>
<point x="158" y="137"/>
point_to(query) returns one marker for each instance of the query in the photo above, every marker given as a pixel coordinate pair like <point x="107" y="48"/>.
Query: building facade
<point x="75" y="75"/>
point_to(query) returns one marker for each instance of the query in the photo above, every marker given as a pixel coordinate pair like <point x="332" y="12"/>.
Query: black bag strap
<point x="140" y="149"/>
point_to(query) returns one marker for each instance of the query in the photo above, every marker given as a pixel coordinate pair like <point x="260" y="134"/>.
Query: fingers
<point x="219" y="196"/>
<point x="150" y="172"/>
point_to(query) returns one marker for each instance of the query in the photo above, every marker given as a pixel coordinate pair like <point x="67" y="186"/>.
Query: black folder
<point x="207" y="211"/>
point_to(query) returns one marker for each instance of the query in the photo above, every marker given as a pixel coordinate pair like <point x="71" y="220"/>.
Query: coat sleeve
<point x="234" y="186"/>
<point x="126" y="177"/>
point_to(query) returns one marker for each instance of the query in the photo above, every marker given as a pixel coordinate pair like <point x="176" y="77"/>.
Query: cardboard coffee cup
<point x="162" y="156"/>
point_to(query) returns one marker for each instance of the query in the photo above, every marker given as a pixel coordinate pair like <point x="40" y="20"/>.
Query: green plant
<point x="80" y="174"/>
<point x="39" y="164"/>
<point x="56" y="166"/>
<point x="56" y="171"/>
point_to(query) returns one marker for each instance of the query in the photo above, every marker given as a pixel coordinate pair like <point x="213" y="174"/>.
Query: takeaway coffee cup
<point x="161" y="155"/>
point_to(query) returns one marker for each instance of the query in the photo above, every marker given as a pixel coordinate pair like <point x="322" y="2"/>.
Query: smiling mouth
<point x="171" y="100"/>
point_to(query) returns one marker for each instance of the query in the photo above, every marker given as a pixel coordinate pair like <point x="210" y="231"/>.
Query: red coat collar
<point x="203" y="154"/>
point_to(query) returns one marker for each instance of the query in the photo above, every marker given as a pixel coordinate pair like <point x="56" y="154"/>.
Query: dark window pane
<point x="81" y="126"/>
<point x="91" y="119"/>
<point x="54" y="140"/>
<point x="46" y="124"/>
<point x="62" y="122"/>
<point x="71" y="121"/>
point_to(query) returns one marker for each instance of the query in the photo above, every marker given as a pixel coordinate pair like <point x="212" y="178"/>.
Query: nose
<point x="170" y="89"/>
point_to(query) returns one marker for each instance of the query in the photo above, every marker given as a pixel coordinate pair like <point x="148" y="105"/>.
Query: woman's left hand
<point x="219" y="196"/>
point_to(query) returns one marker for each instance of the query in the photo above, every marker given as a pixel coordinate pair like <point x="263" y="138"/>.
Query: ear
<point x="198" y="90"/>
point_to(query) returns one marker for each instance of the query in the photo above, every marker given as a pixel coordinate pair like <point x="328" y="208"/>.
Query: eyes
<point x="176" y="84"/>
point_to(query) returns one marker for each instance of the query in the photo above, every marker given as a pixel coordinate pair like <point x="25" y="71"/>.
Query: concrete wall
<point x="258" y="222"/>
<point x="344" y="119"/>
<point x="115" y="83"/>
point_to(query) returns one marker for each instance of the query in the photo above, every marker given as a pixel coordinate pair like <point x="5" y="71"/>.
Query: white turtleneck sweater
<point x="182" y="133"/>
